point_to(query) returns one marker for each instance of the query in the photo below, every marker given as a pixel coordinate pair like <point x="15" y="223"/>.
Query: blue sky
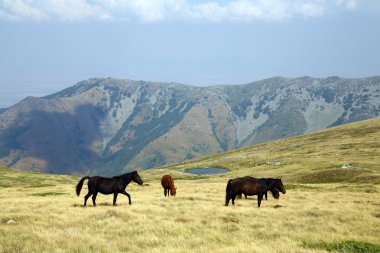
<point x="48" y="45"/>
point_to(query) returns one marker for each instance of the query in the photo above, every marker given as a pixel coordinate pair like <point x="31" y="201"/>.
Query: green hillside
<point x="348" y="153"/>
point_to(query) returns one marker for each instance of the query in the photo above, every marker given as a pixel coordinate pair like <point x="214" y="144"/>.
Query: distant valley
<point x="105" y="125"/>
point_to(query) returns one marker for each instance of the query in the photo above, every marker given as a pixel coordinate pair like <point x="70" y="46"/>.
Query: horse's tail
<point x="228" y="191"/>
<point x="80" y="184"/>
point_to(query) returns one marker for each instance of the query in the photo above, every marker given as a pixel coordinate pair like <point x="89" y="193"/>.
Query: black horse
<point x="106" y="185"/>
<point x="253" y="186"/>
<point x="275" y="193"/>
<point x="270" y="185"/>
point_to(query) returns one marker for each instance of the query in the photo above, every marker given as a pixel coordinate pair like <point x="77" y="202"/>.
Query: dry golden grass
<point x="196" y="220"/>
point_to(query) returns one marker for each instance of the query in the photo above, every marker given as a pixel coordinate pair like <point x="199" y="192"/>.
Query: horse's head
<point x="136" y="178"/>
<point x="275" y="193"/>
<point x="173" y="191"/>
<point x="280" y="186"/>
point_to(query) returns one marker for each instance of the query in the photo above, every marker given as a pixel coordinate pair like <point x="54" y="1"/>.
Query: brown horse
<point x="253" y="186"/>
<point x="106" y="185"/>
<point x="168" y="185"/>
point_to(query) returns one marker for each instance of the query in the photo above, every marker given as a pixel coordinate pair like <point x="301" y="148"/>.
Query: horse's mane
<point x="127" y="174"/>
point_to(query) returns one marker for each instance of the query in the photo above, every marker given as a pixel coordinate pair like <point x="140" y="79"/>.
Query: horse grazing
<point x="253" y="186"/>
<point x="272" y="185"/>
<point x="107" y="185"/>
<point x="167" y="183"/>
<point x="274" y="191"/>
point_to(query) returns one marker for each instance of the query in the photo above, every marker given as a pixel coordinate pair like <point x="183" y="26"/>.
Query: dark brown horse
<point x="107" y="185"/>
<point x="271" y="185"/>
<point x="167" y="183"/>
<point x="275" y="193"/>
<point x="253" y="186"/>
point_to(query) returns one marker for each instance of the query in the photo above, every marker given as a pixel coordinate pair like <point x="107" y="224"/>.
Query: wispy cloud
<point x="16" y="9"/>
<point x="311" y="9"/>
<point x="63" y="10"/>
<point x="349" y="4"/>
<point x="167" y="10"/>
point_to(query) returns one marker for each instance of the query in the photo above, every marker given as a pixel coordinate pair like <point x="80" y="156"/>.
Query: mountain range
<point x="105" y="125"/>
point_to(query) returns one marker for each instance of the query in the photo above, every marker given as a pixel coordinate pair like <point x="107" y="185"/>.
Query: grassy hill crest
<point x="349" y="153"/>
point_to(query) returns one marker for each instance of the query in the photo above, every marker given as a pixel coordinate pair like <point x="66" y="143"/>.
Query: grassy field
<point x="313" y="158"/>
<point x="326" y="207"/>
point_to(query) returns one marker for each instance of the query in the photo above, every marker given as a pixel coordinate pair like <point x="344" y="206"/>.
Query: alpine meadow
<point x="189" y="126"/>
<point x="331" y="203"/>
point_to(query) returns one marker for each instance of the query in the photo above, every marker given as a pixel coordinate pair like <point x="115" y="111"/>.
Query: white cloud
<point x="311" y="10"/>
<point x="258" y="10"/>
<point x="208" y="11"/>
<point x="164" y="10"/>
<point x="74" y="10"/>
<point x="19" y="9"/>
<point x="149" y="11"/>
<point x="349" y="4"/>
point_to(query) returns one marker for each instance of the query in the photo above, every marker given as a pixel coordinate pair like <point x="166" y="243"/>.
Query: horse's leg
<point x="129" y="196"/>
<point x="233" y="198"/>
<point x="259" y="198"/>
<point x="94" y="198"/>
<point x="266" y="195"/>
<point x="114" y="198"/>
<point x="245" y="195"/>
<point x="86" y="197"/>
<point x="165" y="192"/>
<point x="228" y="197"/>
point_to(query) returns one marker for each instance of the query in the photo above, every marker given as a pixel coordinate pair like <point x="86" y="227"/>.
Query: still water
<point x="203" y="171"/>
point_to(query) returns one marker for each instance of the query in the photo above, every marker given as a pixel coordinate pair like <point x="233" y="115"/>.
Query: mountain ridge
<point x="106" y="125"/>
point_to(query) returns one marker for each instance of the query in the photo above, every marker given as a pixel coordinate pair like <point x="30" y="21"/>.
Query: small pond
<point x="203" y="171"/>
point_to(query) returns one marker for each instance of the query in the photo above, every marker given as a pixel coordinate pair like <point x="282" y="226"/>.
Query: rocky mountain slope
<point x="105" y="126"/>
